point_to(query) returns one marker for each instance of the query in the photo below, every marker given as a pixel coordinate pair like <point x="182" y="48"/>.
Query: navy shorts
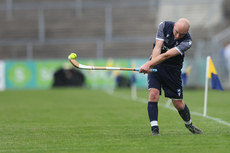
<point x="168" y="78"/>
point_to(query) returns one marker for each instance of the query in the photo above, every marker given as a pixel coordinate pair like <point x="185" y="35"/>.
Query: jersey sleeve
<point x="183" y="46"/>
<point x="160" y="31"/>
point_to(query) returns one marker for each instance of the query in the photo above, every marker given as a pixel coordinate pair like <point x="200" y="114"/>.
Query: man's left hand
<point x="145" y="68"/>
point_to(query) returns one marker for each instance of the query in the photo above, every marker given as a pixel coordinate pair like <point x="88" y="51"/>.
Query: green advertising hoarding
<point x="39" y="74"/>
<point x="45" y="71"/>
<point x="20" y="74"/>
<point x="99" y="79"/>
<point x="30" y="74"/>
<point x="141" y="79"/>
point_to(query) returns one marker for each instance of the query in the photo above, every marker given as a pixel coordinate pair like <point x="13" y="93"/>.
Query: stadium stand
<point x="65" y="24"/>
<point x="23" y="25"/>
<point x="44" y="28"/>
<point x="40" y="29"/>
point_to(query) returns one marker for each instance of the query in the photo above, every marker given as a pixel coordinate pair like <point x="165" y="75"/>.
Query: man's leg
<point x="185" y="115"/>
<point x="153" y="110"/>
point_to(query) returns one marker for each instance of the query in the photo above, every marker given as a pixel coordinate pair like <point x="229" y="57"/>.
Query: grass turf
<point x="81" y="120"/>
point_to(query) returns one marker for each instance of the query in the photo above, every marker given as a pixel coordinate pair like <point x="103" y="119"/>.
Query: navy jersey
<point x="165" y="33"/>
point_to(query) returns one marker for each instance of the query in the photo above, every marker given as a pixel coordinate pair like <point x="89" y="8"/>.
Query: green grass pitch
<point x="93" y="121"/>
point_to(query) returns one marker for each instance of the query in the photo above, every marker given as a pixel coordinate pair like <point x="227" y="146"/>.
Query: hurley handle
<point x="153" y="70"/>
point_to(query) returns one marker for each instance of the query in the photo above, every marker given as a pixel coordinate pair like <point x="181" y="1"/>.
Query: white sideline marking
<point x="143" y="100"/>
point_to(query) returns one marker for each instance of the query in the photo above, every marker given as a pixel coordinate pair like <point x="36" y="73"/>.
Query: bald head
<point x="183" y="24"/>
<point x="181" y="28"/>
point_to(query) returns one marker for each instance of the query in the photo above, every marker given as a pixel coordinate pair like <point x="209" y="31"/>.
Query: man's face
<point x="179" y="32"/>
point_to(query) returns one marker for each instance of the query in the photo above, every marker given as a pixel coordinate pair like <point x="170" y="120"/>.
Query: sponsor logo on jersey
<point x="179" y="92"/>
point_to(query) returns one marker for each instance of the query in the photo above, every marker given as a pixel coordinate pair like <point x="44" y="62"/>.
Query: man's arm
<point x="156" y="52"/>
<point x="157" y="58"/>
<point x="157" y="49"/>
<point x="162" y="57"/>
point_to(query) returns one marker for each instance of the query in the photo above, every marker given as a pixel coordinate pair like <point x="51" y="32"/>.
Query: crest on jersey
<point x="177" y="43"/>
